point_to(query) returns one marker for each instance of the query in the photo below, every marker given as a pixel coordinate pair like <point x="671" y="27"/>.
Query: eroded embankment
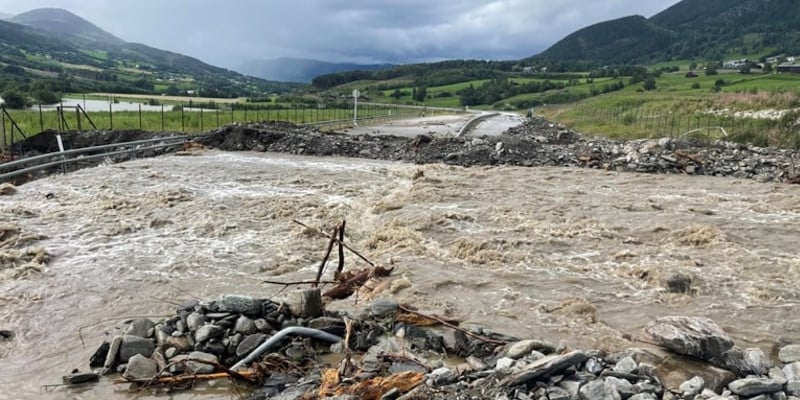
<point x="535" y="143"/>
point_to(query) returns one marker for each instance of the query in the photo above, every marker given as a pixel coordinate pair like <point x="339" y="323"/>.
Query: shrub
<point x="14" y="99"/>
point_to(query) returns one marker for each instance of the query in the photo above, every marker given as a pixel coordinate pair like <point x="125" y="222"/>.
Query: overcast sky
<point x="229" y="32"/>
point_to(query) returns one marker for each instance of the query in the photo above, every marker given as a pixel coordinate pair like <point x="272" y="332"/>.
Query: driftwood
<point x="405" y="309"/>
<point x="349" y="282"/>
<point x="341" y="242"/>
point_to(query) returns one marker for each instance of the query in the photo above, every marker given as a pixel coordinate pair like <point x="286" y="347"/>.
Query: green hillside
<point x="613" y="42"/>
<point x="52" y="51"/>
<point x="704" y="29"/>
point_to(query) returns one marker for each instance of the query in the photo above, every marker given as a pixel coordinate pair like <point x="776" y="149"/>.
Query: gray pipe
<point x="294" y="330"/>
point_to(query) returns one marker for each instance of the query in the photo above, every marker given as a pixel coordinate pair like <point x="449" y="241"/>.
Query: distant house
<point x="527" y="70"/>
<point x="691" y="74"/>
<point x="734" y="64"/>
<point x="789" y="67"/>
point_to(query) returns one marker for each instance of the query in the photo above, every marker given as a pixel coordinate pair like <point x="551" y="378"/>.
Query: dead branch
<point x="327" y="254"/>
<point x="297" y="283"/>
<point x="345" y="245"/>
<point x="451" y="326"/>
<point x="341" y="247"/>
<point x="350" y="281"/>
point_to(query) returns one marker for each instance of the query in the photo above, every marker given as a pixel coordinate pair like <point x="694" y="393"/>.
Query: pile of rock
<point x="692" y="358"/>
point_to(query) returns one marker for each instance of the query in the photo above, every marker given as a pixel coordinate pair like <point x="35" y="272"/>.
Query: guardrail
<point x="60" y="158"/>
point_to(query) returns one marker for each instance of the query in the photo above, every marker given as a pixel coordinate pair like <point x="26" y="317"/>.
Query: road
<point x="441" y="125"/>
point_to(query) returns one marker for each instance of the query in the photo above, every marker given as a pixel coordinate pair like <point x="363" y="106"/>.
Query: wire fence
<point x="18" y="125"/>
<point x="650" y="122"/>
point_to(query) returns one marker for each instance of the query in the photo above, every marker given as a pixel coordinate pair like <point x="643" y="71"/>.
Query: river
<point x="574" y="256"/>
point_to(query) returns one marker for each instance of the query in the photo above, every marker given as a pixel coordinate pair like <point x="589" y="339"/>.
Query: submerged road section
<point x="486" y="124"/>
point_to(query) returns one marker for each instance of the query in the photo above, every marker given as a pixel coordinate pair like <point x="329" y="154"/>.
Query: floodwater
<point x="570" y="255"/>
<point x="102" y="106"/>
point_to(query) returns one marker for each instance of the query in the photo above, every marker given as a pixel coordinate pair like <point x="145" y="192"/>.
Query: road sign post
<point x="356" y="93"/>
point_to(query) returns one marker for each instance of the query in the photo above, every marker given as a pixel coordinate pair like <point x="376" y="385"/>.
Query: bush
<point x="44" y="96"/>
<point x="696" y="85"/>
<point x="14" y="100"/>
<point x="649" y="84"/>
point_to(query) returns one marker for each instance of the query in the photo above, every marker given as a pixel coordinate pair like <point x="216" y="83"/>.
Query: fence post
<point x="110" y="117"/>
<point x="3" y="116"/>
<point x="140" y="116"/>
<point x="78" y="117"/>
<point x="201" y="119"/>
<point x="217" y="117"/>
<point x="233" y="106"/>
<point x="162" y="118"/>
<point x="245" y="114"/>
<point x="183" y="122"/>
<point x="41" y="119"/>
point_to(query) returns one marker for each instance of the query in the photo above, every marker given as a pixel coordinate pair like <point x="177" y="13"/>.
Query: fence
<point x="184" y="118"/>
<point x="656" y="122"/>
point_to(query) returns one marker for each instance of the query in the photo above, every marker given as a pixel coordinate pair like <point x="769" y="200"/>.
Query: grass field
<point x="683" y="106"/>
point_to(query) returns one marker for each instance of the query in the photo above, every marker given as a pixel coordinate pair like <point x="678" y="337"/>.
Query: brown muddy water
<point x="570" y="255"/>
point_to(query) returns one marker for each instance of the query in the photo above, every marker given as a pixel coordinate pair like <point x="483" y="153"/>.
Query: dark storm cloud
<point x="228" y="32"/>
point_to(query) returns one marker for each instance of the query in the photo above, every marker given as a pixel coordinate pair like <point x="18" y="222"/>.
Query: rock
<point x="625" y="388"/>
<point x="672" y="370"/>
<point x="476" y="363"/>
<point x="171" y="352"/>
<point x="133" y="345"/>
<point x="195" y="320"/>
<point x="307" y="303"/>
<point x="263" y="326"/>
<point x="643" y="396"/>
<point x="99" y="357"/>
<point x="792" y="371"/>
<point x="392" y="394"/>
<point x="244" y="326"/>
<point x="557" y="393"/>
<point x="140" y="367"/>
<point x="140" y="327"/>
<point x="789" y="354"/>
<point x="78" y="378"/>
<point x="626" y="365"/>
<point x="692" y="387"/>
<point x="547" y="366"/>
<point x="594" y="366"/>
<point x="749" y="387"/>
<point x="755" y="362"/>
<point x="776" y="374"/>
<point x="441" y="376"/>
<point x="196" y="367"/>
<point x="504" y="363"/>
<point x="182" y="343"/>
<point x="239" y="304"/>
<point x="599" y="390"/>
<point x="113" y="353"/>
<point x="572" y="387"/>
<point x="692" y="336"/>
<point x="678" y="282"/>
<point x="524" y="347"/>
<point x="380" y="308"/>
<point x="208" y="331"/>
<point x="250" y="343"/>
<point x="455" y="342"/>
<point x="793" y="388"/>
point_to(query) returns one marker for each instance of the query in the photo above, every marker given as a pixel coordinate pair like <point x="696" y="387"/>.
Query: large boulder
<point x="690" y="336"/>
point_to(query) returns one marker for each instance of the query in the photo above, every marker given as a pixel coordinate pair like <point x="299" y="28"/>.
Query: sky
<point x="229" y="32"/>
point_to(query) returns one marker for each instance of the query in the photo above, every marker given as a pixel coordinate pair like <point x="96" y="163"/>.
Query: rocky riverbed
<point x="389" y="351"/>
<point x="538" y="142"/>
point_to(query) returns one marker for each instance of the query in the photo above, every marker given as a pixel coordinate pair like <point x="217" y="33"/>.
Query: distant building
<point x="527" y="70"/>
<point x="734" y="64"/>
<point x="789" y="67"/>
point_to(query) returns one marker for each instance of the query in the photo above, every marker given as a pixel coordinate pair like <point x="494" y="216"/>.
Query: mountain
<point x="614" y="42"/>
<point x="70" y="54"/>
<point x="63" y="23"/>
<point x="709" y="29"/>
<point x="5" y="15"/>
<point x="299" y="69"/>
